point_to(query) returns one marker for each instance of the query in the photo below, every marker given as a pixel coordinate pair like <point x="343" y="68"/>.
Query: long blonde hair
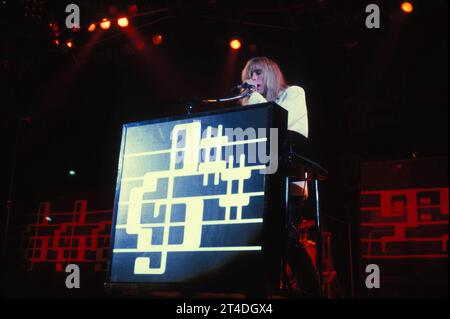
<point x="273" y="77"/>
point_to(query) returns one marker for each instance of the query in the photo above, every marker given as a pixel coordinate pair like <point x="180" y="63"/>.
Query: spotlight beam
<point x="263" y="25"/>
<point x="151" y="23"/>
<point x="150" y="12"/>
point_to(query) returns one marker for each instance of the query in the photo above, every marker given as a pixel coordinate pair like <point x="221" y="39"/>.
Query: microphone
<point x="244" y="86"/>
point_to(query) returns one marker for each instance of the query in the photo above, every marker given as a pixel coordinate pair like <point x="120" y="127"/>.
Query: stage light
<point x="133" y="9"/>
<point x="69" y="44"/>
<point x="122" y="22"/>
<point x="56" y="42"/>
<point x="157" y="39"/>
<point x="92" y="27"/>
<point x="235" y="44"/>
<point x="407" y="7"/>
<point x="105" y="24"/>
<point x="72" y="172"/>
<point x="54" y="26"/>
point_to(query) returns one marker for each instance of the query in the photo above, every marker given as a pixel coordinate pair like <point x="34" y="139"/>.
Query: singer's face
<point x="258" y="77"/>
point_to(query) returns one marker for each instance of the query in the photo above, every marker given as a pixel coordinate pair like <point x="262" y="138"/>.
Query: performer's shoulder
<point x="295" y="89"/>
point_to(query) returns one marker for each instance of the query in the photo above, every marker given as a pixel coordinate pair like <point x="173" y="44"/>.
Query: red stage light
<point x="122" y="22"/>
<point x="133" y="9"/>
<point x="91" y="27"/>
<point x="235" y="44"/>
<point x="54" y="26"/>
<point x="105" y="24"/>
<point x="56" y="42"/>
<point x="407" y="7"/>
<point x="157" y="39"/>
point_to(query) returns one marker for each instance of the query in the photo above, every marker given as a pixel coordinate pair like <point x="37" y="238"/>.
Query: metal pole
<point x="285" y="280"/>
<point x="319" y="234"/>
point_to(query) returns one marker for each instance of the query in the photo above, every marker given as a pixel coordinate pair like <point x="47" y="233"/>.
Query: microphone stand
<point x="191" y="105"/>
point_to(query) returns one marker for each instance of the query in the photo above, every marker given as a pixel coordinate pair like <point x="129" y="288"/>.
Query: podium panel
<point x="195" y="206"/>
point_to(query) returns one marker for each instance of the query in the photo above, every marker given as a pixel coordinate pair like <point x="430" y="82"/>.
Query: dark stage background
<point x="372" y="95"/>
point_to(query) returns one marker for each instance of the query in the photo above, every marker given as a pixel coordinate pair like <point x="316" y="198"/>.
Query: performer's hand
<point x="253" y="83"/>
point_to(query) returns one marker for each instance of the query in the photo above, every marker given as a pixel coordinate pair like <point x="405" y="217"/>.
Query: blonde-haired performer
<point x="269" y="85"/>
<point x="266" y="83"/>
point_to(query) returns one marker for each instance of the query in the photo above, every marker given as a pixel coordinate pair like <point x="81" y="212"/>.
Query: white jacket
<point x="292" y="100"/>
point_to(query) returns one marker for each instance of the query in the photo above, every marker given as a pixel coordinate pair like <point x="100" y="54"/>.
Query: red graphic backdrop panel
<point x="78" y="236"/>
<point x="405" y="223"/>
